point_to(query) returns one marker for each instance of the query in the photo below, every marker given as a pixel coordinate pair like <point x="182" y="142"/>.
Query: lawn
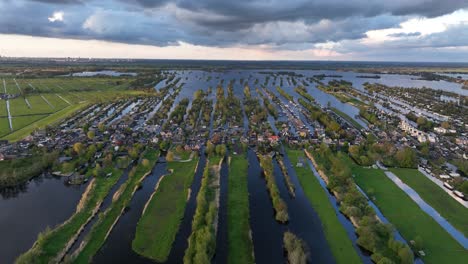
<point x="408" y="218"/>
<point x="158" y="226"/>
<point x="339" y="242"/>
<point x="240" y="247"/>
<point x="50" y="243"/>
<point x="97" y="236"/>
<point x="441" y="201"/>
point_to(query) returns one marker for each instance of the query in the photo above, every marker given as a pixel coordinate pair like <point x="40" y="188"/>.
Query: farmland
<point x="36" y="103"/>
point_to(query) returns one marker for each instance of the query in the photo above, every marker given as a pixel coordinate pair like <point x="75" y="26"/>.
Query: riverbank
<point x="51" y="243"/>
<point x="101" y="230"/>
<point x="154" y="239"/>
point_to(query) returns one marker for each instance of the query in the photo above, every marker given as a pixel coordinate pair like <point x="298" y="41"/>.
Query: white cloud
<point x="56" y="16"/>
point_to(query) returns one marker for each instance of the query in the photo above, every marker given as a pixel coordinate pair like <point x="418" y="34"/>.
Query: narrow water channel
<point x="29" y="209"/>
<point x="303" y="220"/>
<point x="267" y="234"/>
<point x="181" y="241"/>
<point x="350" y="231"/>
<point x="222" y="235"/>
<point x="118" y="246"/>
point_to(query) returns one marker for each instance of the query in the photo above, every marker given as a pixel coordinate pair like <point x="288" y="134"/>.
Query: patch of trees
<point x="268" y="105"/>
<point x="281" y="209"/>
<point x="301" y="90"/>
<point x="177" y="115"/>
<point x="368" y="152"/>
<point x="215" y="150"/>
<point x="332" y="127"/>
<point x="368" y="115"/>
<point x="296" y="248"/>
<point x="284" y="94"/>
<point x="255" y="112"/>
<point x="18" y="171"/>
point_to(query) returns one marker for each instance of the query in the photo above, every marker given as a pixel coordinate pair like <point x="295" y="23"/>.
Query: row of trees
<point x="202" y="241"/>
<point x="281" y="209"/>
<point x="374" y="236"/>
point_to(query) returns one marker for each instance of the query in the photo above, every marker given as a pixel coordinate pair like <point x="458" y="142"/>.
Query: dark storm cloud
<point x="287" y="24"/>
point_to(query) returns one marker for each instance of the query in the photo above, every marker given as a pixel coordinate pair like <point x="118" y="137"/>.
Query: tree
<point x="78" y="147"/>
<point x="210" y="148"/>
<point x="91" y="134"/>
<point x="406" y="157"/>
<point x="406" y="255"/>
<point x="445" y="125"/>
<point x="354" y="151"/>
<point x="101" y="127"/>
<point x="170" y="156"/>
<point x="107" y="160"/>
<point x="97" y="170"/>
<point x="221" y="150"/>
<point x="145" y="162"/>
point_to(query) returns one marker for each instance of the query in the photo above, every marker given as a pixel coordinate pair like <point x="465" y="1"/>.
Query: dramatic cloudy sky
<point x="396" y="30"/>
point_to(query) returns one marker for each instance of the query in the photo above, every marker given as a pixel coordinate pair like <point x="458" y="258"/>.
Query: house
<point x="440" y="130"/>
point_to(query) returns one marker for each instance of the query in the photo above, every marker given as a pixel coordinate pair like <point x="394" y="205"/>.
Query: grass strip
<point x="339" y="242"/>
<point x="159" y="224"/>
<point x="240" y="245"/>
<point x="101" y="230"/>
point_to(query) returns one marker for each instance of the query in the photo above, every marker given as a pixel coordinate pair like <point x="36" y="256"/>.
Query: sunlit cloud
<point x="56" y="16"/>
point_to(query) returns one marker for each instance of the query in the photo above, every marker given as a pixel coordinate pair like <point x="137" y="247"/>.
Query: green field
<point x="61" y="93"/>
<point x="55" y="101"/>
<point x="19" y="107"/>
<point x="3" y="108"/>
<point x="240" y="246"/>
<point x="432" y="194"/>
<point x="97" y="236"/>
<point x="408" y="218"/>
<point x="23" y="121"/>
<point x="51" y="242"/>
<point x="38" y="105"/>
<point x="41" y="123"/>
<point x="158" y="226"/>
<point x="339" y="242"/>
<point x="4" y="126"/>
